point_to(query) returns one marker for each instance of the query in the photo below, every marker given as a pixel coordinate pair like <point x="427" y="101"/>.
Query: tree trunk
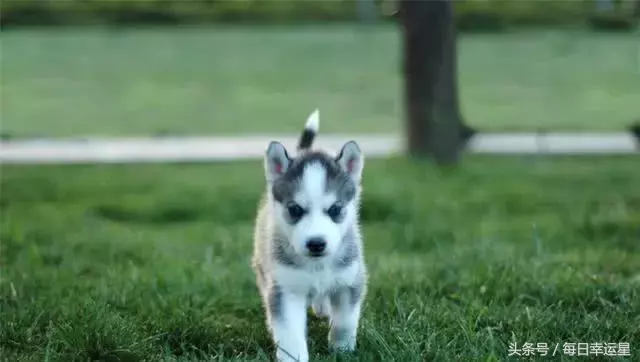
<point x="433" y="118"/>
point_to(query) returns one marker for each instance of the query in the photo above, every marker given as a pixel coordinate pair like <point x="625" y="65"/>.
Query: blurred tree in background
<point x="433" y="117"/>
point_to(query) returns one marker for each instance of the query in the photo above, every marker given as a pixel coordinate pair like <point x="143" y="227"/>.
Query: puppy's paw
<point x="342" y="340"/>
<point x="292" y="355"/>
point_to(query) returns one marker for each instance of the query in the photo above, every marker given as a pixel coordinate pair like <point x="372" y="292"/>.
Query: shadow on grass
<point x="165" y="215"/>
<point x="616" y="223"/>
<point x="228" y="209"/>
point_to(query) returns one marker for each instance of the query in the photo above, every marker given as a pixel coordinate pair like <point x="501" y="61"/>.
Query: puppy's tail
<point x="310" y="131"/>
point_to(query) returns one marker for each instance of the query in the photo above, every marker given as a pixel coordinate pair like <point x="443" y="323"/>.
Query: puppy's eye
<point x="334" y="211"/>
<point x="295" y="211"/>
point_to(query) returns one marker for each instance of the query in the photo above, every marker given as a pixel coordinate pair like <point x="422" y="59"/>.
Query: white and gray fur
<point x="289" y="275"/>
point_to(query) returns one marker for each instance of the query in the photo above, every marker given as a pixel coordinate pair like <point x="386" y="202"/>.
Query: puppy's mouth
<point x="316" y="254"/>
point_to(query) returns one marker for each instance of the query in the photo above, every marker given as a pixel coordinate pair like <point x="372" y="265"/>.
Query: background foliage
<point x="471" y="14"/>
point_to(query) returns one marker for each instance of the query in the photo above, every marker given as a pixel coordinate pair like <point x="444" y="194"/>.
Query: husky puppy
<point x="307" y="243"/>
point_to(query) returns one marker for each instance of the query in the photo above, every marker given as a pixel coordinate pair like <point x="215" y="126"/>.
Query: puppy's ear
<point x="351" y="160"/>
<point x="276" y="161"/>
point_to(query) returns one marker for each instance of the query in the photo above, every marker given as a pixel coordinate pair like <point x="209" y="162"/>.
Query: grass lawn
<point x="152" y="262"/>
<point x="79" y="82"/>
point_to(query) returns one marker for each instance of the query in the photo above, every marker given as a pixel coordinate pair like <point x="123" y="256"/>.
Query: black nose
<point x="316" y="246"/>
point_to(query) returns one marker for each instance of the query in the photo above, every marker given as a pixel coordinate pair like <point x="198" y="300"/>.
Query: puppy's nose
<point x="316" y="246"/>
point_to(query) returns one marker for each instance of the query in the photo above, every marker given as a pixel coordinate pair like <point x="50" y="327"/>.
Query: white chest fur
<point x="315" y="279"/>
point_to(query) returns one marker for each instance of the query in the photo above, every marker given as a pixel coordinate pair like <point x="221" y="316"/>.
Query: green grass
<point x="79" y="82"/>
<point x="152" y="262"/>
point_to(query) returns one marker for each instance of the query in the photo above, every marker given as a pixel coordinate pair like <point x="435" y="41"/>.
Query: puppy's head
<point x="315" y="196"/>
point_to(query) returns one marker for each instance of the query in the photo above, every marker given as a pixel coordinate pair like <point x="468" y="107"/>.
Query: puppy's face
<point x="315" y="197"/>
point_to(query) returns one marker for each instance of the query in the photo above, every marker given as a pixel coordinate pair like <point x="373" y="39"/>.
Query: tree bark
<point x="434" y="122"/>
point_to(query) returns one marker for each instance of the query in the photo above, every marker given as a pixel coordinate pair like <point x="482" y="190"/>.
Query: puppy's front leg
<point x="345" y="315"/>
<point x="288" y="321"/>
